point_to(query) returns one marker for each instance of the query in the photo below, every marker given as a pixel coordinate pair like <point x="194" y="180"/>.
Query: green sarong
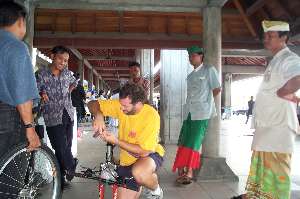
<point x="269" y="176"/>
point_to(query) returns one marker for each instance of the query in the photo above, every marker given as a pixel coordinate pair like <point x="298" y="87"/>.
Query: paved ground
<point x="235" y="146"/>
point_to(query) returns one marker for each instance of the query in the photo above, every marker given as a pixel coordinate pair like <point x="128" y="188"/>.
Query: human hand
<point x="290" y="97"/>
<point x="33" y="139"/>
<point x="98" y="126"/>
<point x="109" y="137"/>
<point x="72" y="87"/>
<point x="45" y="97"/>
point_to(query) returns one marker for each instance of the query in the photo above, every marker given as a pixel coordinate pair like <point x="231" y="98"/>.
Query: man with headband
<point x="275" y="119"/>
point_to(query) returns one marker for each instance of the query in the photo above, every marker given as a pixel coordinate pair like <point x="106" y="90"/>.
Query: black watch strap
<point x="30" y="125"/>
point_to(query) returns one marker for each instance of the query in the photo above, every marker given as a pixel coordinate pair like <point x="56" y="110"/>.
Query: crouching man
<point x="140" y="153"/>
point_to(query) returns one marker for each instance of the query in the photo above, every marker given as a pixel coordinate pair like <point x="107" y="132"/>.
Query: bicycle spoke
<point x="36" y="175"/>
<point x="8" y="194"/>
<point x="22" y="178"/>
<point x="38" y="185"/>
<point x="28" y="161"/>
<point x="13" y="179"/>
<point x="8" y="185"/>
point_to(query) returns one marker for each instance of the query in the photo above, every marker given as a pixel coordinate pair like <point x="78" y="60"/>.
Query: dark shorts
<point x="125" y="172"/>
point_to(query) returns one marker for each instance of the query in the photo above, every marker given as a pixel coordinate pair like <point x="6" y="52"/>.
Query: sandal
<point x="179" y="179"/>
<point x="184" y="180"/>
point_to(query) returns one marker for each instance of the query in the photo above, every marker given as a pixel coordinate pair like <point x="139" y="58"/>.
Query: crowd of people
<point x="141" y="154"/>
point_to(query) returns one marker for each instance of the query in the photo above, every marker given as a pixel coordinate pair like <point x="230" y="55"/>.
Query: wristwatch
<point x="30" y="125"/>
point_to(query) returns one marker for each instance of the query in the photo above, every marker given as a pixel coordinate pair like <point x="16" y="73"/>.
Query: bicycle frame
<point x="105" y="176"/>
<point x="114" y="189"/>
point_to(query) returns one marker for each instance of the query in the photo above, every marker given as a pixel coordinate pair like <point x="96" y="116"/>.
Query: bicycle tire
<point x="29" y="181"/>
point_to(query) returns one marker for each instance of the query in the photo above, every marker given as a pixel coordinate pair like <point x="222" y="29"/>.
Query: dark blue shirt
<point x="17" y="80"/>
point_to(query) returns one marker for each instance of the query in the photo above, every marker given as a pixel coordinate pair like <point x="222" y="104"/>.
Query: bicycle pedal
<point x="88" y="173"/>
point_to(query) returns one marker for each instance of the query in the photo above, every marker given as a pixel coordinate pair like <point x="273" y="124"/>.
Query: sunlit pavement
<point x="236" y="139"/>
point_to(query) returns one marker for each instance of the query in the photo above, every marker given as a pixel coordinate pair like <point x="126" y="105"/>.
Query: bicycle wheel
<point x="30" y="175"/>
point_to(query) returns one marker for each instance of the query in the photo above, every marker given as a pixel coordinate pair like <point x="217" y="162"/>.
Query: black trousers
<point x="12" y="131"/>
<point x="61" y="137"/>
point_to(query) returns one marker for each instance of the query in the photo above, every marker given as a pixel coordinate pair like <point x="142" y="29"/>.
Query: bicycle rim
<point x="30" y="175"/>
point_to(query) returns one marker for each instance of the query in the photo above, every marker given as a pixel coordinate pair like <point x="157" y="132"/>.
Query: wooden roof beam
<point x="129" y="5"/>
<point x="133" y="40"/>
<point x="245" y="18"/>
<point x="245" y="53"/>
<point x="264" y="13"/>
<point x="109" y="58"/>
<point x="113" y="75"/>
<point x="112" y="68"/>
<point x="86" y="62"/>
<point x="243" y="69"/>
<point x="113" y="79"/>
<point x="256" y="6"/>
<point x="284" y="10"/>
<point x="121" y="21"/>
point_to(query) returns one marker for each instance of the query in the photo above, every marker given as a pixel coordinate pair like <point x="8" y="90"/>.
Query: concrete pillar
<point x="28" y="39"/>
<point x="81" y="70"/>
<point x="97" y="83"/>
<point x="226" y="91"/>
<point x="30" y="8"/>
<point x="226" y="95"/>
<point x="101" y="85"/>
<point x="138" y="53"/>
<point x="213" y="167"/>
<point x="91" y="79"/>
<point x="147" y="67"/>
<point x="174" y="69"/>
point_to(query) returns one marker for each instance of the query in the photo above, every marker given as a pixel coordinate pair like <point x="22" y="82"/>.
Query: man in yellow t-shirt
<point x="141" y="154"/>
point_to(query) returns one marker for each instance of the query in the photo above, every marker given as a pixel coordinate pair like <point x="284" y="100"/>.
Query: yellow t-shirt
<point x="141" y="129"/>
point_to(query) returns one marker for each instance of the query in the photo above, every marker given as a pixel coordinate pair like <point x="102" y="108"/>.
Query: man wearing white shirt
<point x="275" y="119"/>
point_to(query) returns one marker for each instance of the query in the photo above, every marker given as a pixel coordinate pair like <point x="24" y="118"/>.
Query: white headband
<point x="275" y="26"/>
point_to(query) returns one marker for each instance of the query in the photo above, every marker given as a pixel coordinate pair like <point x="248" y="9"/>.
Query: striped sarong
<point x="190" y="140"/>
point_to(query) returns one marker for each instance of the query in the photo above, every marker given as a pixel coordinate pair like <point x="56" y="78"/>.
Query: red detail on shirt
<point x="132" y="134"/>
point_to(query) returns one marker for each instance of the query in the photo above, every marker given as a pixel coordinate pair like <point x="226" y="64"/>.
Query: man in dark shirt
<point x="17" y="81"/>
<point x="78" y="96"/>
<point x="56" y="83"/>
<point x="250" y="108"/>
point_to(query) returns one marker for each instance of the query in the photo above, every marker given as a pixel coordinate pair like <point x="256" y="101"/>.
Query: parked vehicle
<point x="239" y="112"/>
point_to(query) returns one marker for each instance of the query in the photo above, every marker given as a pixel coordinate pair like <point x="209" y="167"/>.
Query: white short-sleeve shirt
<point x="200" y="101"/>
<point x="275" y="119"/>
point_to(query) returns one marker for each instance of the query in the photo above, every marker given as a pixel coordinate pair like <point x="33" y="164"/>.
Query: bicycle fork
<point x="114" y="190"/>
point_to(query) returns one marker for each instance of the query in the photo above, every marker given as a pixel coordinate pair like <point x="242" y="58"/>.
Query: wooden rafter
<point x="113" y="73"/>
<point x="256" y="6"/>
<point x="149" y="21"/>
<point x="121" y="21"/>
<point x="112" y="68"/>
<point x="108" y="58"/>
<point x="264" y="13"/>
<point x="245" y="18"/>
<point x="74" y="23"/>
<point x="168" y="25"/>
<point x="95" y="22"/>
<point x="284" y="10"/>
<point x="54" y="23"/>
<point x="187" y="25"/>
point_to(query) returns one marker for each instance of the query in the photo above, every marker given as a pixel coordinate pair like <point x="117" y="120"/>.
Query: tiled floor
<point x="235" y="146"/>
